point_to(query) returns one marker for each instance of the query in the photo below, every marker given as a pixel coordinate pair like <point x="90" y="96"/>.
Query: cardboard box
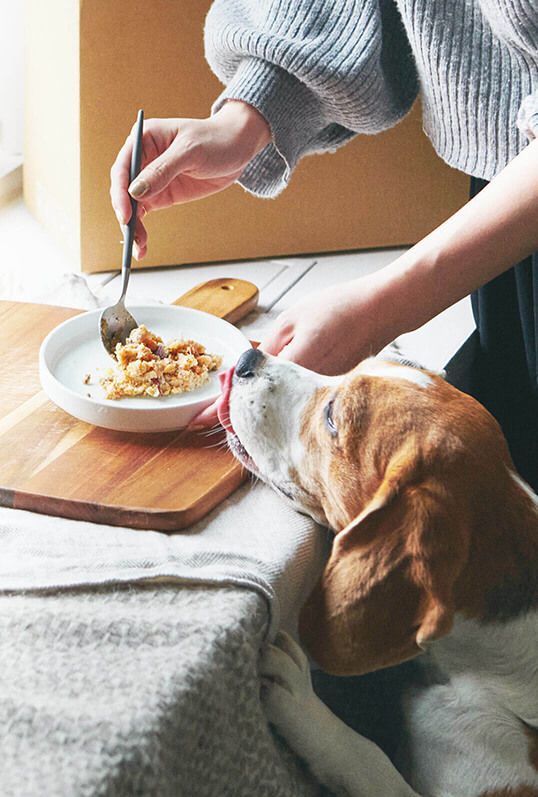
<point x="91" y="64"/>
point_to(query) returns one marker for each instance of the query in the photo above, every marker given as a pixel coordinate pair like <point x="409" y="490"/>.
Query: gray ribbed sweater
<point x="322" y="71"/>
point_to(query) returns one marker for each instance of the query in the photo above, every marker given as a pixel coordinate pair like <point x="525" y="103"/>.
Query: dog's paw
<point x="287" y="694"/>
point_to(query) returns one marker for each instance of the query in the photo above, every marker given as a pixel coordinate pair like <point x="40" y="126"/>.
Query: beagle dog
<point x="435" y="556"/>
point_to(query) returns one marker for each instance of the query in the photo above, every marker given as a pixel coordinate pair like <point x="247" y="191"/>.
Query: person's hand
<point x="186" y="159"/>
<point x="329" y="331"/>
<point x="332" y="330"/>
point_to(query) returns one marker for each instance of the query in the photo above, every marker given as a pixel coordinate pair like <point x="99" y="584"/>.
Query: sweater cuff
<point x="527" y="118"/>
<point x="294" y="115"/>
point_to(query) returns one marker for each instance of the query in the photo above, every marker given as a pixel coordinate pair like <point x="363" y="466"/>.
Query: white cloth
<point x="253" y="539"/>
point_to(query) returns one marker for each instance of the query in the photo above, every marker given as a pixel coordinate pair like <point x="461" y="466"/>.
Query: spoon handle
<point x="136" y="158"/>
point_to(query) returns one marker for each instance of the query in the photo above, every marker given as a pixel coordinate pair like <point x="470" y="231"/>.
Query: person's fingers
<point x="294" y="351"/>
<point x="140" y="233"/>
<point x="158" y="174"/>
<point x="140" y="247"/>
<point x="297" y="352"/>
<point x="120" y="171"/>
<point x="119" y="183"/>
<point x="297" y="345"/>
<point x="139" y="251"/>
<point x="278" y="336"/>
<point x="205" y="419"/>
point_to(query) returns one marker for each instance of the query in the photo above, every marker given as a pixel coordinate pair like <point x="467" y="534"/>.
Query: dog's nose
<point x="248" y="363"/>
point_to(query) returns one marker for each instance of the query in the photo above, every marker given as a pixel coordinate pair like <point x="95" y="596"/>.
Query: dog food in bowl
<point x="146" y="366"/>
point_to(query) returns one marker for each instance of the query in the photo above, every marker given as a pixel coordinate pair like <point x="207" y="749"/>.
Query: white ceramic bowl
<point x="74" y="349"/>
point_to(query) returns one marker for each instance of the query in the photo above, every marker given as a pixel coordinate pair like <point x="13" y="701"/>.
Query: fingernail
<point x="138" y="188"/>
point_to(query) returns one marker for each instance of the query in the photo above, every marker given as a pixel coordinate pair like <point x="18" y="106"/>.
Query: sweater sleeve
<point x="515" y="23"/>
<point x="320" y="71"/>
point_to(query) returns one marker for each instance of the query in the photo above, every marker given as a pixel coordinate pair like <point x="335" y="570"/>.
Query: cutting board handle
<point x="226" y="297"/>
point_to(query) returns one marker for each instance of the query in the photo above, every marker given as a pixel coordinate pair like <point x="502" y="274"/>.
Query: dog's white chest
<point x="456" y="730"/>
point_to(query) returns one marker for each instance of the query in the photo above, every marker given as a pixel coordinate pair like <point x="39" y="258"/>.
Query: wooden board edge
<point x="141" y="518"/>
<point x="7" y="497"/>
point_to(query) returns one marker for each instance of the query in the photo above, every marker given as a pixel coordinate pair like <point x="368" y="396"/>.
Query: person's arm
<point x="318" y="72"/>
<point x="492" y="232"/>
<point x="299" y="79"/>
<point x="331" y="331"/>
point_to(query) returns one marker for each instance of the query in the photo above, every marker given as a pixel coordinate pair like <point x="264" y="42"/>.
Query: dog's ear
<point x="387" y="589"/>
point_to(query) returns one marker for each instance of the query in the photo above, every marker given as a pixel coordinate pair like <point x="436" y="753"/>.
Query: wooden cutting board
<point x="55" y="464"/>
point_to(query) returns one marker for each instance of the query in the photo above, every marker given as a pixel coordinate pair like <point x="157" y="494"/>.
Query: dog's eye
<point x="328" y="418"/>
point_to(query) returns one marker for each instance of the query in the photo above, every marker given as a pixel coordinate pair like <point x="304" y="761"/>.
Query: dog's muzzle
<point x="247" y="365"/>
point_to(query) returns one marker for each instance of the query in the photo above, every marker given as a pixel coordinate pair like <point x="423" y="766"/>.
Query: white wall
<point x="11" y="76"/>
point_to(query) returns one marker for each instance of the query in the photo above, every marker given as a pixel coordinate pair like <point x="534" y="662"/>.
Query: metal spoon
<point x="116" y="322"/>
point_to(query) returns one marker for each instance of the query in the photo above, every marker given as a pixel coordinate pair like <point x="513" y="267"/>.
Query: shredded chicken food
<point x="148" y="367"/>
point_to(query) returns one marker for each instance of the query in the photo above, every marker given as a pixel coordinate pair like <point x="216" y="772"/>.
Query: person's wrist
<point x="373" y="300"/>
<point x="416" y="285"/>
<point x="250" y="125"/>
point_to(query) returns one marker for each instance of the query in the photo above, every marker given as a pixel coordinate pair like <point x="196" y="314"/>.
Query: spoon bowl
<point x="116" y="323"/>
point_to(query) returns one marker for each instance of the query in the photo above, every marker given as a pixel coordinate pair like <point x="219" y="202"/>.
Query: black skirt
<point x="498" y="366"/>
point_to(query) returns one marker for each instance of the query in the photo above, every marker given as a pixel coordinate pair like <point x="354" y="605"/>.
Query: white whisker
<point x="219" y="444"/>
<point x="212" y="432"/>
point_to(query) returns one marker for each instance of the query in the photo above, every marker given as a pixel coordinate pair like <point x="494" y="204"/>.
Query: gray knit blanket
<point x="116" y="684"/>
<point x="146" y="690"/>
